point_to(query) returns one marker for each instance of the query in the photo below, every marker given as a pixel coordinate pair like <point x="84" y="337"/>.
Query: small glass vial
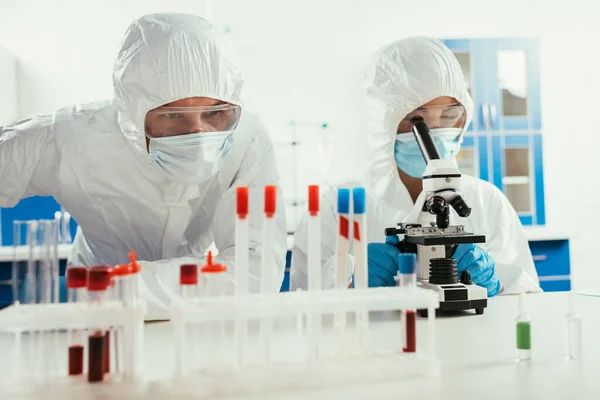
<point x="523" y="332"/>
<point x="573" y="331"/>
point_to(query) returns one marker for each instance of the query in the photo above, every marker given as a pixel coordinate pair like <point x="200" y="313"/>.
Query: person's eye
<point x="173" y="116"/>
<point x="450" y="116"/>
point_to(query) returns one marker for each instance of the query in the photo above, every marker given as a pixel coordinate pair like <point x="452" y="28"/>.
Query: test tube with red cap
<point x="188" y="281"/>
<point x="268" y="266"/>
<point x="314" y="268"/>
<point x="241" y="269"/>
<point x="98" y="282"/>
<point x="122" y="277"/>
<point x="361" y="276"/>
<point x="77" y="282"/>
<point x="215" y="282"/>
<point x="408" y="279"/>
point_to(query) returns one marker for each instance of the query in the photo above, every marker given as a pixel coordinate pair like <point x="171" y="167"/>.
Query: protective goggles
<point x="436" y="117"/>
<point x="175" y="121"/>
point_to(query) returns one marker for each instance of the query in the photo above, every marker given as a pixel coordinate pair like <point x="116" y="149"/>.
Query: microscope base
<point x="458" y="297"/>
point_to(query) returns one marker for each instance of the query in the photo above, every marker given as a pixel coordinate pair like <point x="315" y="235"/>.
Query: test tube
<point x="342" y="280"/>
<point x="98" y="282"/>
<point x="523" y="331"/>
<point x="241" y="270"/>
<point x="76" y="285"/>
<point x="314" y="269"/>
<point x="408" y="279"/>
<point x="188" y="281"/>
<point x="215" y="280"/>
<point x="268" y="265"/>
<point x="573" y="331"/>
<point x="133" y="344"/>
<point x="361" y="276"/>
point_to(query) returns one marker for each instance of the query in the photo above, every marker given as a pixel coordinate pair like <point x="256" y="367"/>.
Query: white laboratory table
<point x="476" y="352"/>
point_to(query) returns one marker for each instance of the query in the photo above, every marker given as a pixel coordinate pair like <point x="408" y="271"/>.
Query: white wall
<point x="9" y="102"/>
<point x="317" y="48"/>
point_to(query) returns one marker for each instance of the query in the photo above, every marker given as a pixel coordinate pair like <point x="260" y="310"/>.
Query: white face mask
<point x="191" y="158"/>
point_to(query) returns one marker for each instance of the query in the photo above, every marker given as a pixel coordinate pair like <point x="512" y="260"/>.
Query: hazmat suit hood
<point x="168" y="57"/>
<point x="401" y="77"/>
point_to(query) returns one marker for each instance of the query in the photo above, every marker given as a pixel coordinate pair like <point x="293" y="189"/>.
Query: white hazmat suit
<point x="401" y="77"/>
<point x="93" y="159"/>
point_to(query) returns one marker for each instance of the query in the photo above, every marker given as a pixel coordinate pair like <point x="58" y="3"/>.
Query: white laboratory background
<point x="302" y="61"/>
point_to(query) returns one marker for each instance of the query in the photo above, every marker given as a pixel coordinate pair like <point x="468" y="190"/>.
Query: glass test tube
<point x="215" y="281"/>
<point x="77" y="286"/>
<point x="188" y="287"/>
<point x="342" y="278"/>
<point x="268" y="267"/>
<point x="408" y="279"/>
<point x="314" y="270"/>
<point x="98" y="283"/>
<point x="241" y="271"/>
<point x="523" y="331"/>
<point x="573" y="331"/>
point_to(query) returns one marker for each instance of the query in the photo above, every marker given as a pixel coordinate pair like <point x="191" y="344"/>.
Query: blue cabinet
<point x="503" y="144"/>
<point x="553" y="263"/>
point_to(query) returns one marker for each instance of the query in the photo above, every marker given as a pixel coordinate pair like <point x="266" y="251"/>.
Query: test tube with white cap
<point x="314" y="269"/>
<point x="241" y="271"/>
<point x="268" y="266"/>
<point x="408" y="280"/>
<point x="342" y="279"/>
<point x="361" y="275"/>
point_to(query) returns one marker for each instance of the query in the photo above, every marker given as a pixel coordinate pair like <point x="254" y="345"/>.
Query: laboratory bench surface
<point x="477" y="354"/>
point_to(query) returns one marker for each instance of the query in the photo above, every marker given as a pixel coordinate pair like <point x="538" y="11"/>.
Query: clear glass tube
<point x="77" y="286"/>
<point x="523" y="325"/>
<point x="573" y="331"/>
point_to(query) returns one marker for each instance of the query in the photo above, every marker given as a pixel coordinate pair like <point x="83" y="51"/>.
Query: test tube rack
<point x="255" y="375"/>
<point x="38" y="362"/>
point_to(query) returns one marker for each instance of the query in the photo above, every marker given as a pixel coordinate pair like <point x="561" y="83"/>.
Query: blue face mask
<point x="408" y="155"/>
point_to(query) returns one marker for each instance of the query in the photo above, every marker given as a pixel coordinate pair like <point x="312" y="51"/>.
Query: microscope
<point x="428" y="232"/>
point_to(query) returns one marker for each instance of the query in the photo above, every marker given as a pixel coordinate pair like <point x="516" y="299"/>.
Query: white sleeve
<point x="28" y="160"/>
<point x="508" y="247"/>
<point x="258" y="168"/>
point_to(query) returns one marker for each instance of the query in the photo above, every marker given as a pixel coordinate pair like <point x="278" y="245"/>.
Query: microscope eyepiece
<point x="461" y="207"/>
<point x="436" y="204"/>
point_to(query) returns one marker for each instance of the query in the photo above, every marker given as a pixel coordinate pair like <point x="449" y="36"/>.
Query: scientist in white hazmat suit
<point x="155" y="169"/>
<point x="408" y="80"/>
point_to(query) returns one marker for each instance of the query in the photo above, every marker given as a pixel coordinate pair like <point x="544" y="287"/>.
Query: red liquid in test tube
<point x="98" y="282"/>
<point x="77" y="286"/>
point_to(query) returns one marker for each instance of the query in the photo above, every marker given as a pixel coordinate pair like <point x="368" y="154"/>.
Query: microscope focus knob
<point x="465" y="278"/>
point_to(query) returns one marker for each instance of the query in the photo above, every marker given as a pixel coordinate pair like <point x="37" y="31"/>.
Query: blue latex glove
<point x="382" y="262"/>
<point x="62" y="289"/>
<point x="480" y="265"/>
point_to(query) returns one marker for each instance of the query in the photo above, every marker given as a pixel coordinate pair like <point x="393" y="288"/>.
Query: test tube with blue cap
<point x="408" y="280"/>
<point x="342" y="279"/>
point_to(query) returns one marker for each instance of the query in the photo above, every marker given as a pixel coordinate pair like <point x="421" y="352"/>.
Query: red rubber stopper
<point x="77" y="277"/>
<point x="313" y="200"/>
<point x="211" y="268"/>
<point x="188" y="274"/>
<point x="242" y="202"/>
<point x="98" y="278"/>
<point x="270" y="201"/>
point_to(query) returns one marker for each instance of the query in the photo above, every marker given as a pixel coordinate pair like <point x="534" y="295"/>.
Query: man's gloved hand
<point x="382" y="262"/>
<point x="480" y="265"/>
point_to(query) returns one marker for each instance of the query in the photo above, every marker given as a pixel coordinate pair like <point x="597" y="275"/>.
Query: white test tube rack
<point x="302" y="372"/>
<point x="38" y="319"/>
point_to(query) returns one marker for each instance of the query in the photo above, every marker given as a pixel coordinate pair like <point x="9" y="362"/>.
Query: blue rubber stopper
<point x="343" y="201"/>
<point x="407" y="263"/>
<point x="358" y="196"/>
